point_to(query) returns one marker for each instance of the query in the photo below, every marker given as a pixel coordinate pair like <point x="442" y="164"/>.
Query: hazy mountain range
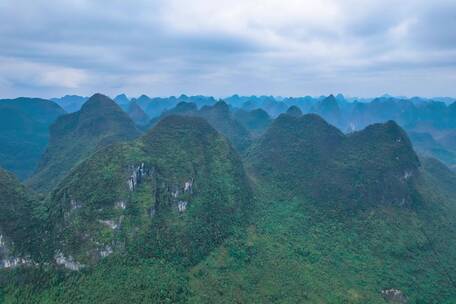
<point x="256" y="199"/>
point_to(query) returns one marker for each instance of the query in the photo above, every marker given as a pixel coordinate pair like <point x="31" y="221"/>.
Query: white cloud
<point x="16" y="72"/>
<point x="220" y="47"/>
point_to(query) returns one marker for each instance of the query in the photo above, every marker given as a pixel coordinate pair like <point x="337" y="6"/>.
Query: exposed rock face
<point x="106" y="251"/>
<point x="395" y="296"/>
<point x="110" y="223"/>
<point x="67" y="262"/>
<point x="188" y="186"/>
<point x="182" y="206"/>
<point x="121" y="205"/>
<point x="75" y="204"/>
<point x="6" y="260"/>
<point x="136" y="176"/>
<point x="13" y="262"/>
<point x="154" y="191"/>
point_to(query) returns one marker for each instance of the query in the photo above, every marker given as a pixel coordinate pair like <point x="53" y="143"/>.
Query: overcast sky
<point x="50" y="48"/>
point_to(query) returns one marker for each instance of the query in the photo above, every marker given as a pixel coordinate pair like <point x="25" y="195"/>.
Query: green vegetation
<point x="75" y="136"/>
<point x="219" y="117"/>
<point x="137" y="114"/>
<point x="21" y="220"/>
<point x="172" y="217"/>
<point x="297" y="252"/>
<point x="115" y="280"/>
<point x="255" y="121"/>
<point x="426" y="145"/>
<point x="189" y="192"/>
<point x="24" y="124"/>
<point x="294" y="111"/>
<point x="307" y="156"/>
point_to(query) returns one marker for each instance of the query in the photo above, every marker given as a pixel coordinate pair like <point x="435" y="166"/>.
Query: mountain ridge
<point x="73" y="137"/>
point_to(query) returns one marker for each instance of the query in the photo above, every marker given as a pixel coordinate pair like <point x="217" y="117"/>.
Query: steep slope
<point x="175" y="193"/>
<point x="40" y="110"/>
<point x="220" y="117"/>
<point x="329" y="109"/>
<point x="425" y="144"/>
<point x="122" y="100"/>
<point x="255" y="121"/>
<point x="75" y="136"/>
<point x="182" y="108"/>
<point x="137" y="114"/>
<point x="384" y="237"/>
<point x="268" y="103"/>
<point x="19" y="222"/>
<point x="294" y="111"/>
<point x="24" y="124"/>
<point x="335" y="219"/>
<point x="308" y="156"/>
<point x="154" y="107"/>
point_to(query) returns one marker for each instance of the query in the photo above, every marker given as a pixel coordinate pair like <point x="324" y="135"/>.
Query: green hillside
<point x="24" y="124"/>
<point x="255" y="121"/>
<point x="220" y="117"/>
<point x="316" y="217"/>
<point x="75" y="136"/>
<point x="175" y="193"/>
<point x="21" y="222"/>
<point x="307" y="156"/>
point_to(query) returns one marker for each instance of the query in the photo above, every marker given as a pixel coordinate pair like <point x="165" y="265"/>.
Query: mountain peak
<point x="99" y="102"/>
<point x="75" y="136"/>
<point x="185" y="159"/>
<point x="330" y="100"/>
<point x="122" y="99"/>
<point x="181" y="124"/>
<point x="137" y="114"/>
<point x="184" y="106"/>
<point x="322" y="161"/>
<point x="221" y="106"/>
<point x="294" y="111"/>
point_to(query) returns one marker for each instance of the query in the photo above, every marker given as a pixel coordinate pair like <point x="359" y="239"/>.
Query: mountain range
<point x="245" y="200"/>
<point x="430" y="118"/>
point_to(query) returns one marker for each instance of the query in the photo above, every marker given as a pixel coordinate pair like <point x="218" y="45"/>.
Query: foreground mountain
<point x="339" y="219"/>
<point x="176" y="193"/>
<point x="73" y="137"/>
<point x="319" y="216"/>
<point x="24" y="124"/>
<point x="308" y="156"/>
<point x="19" y="222"/>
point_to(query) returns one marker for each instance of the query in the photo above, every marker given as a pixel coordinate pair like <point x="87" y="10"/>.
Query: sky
<point x="50" y="48"/>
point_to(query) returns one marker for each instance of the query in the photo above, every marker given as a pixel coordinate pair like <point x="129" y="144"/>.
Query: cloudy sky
<point x="274" y="47"/>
